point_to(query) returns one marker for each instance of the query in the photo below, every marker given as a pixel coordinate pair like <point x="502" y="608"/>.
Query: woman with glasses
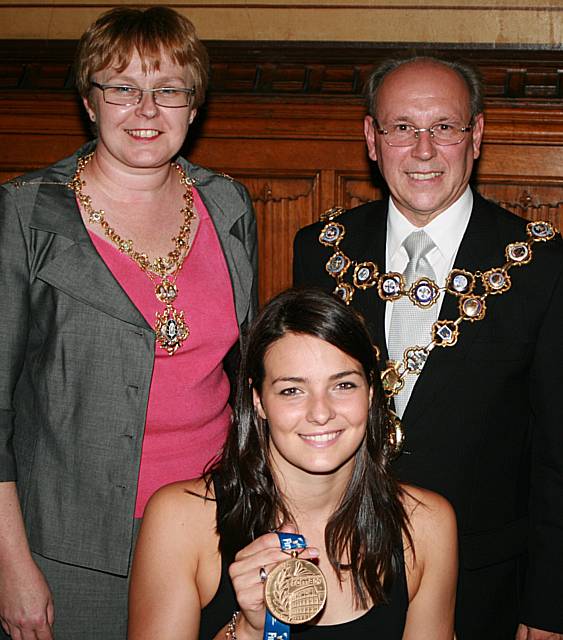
<point x="306" y="456"/>
<point x="127" y="274"/>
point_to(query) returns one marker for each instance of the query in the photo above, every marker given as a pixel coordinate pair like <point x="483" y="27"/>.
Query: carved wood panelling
<point x="286" y="120"/>
<point x="283" y="204"/>
<point x="294" y="68"/>
<point x="357" y="189"/>
<point x="530" y="201"/>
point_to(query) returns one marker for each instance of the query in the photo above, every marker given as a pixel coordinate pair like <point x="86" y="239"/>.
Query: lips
<point x="143" y="133"/>
<point x="422" y="176"/>
<point x="320" y="438"/>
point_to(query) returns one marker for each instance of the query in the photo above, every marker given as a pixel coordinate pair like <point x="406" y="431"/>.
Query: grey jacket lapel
<point x="77" y="269"/>
<point x="73" y="264"/>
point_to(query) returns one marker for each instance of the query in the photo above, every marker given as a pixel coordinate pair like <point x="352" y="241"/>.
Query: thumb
<point x="50" y="612"/>
<point x="522" y="632"/>
<point x="288" y="527"/>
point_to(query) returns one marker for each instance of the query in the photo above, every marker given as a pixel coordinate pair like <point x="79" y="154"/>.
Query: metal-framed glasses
<point x="406" y="135"/>
<point x="127" y="96"/>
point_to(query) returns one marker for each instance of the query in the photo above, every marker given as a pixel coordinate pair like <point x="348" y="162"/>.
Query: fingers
<point x="16" y="633"/>
<point x="45" y="633"/>
<point x="521" y="633"/>
<point x="51" y="613"/>
<point x="250" y="568"/>
<point x="263" y="552"/>
<point x="263" y="543"/>
<point x="26" y="602"/>
<point x="29" y="631"/>
<point x="255" y="561"/>
<point x="271" y="541"/>
<point x="288" y="528"/>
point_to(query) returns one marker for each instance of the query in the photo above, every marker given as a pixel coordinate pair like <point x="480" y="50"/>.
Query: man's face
<point x="424" y="179"/>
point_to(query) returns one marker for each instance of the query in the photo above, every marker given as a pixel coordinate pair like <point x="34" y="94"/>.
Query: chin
<point x="328" y="467"/>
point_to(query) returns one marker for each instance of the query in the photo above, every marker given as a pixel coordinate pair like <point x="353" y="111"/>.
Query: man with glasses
<point x="464" y="301"/>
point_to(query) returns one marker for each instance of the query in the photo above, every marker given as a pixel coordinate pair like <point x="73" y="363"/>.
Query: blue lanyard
<point x="274" y="629"/>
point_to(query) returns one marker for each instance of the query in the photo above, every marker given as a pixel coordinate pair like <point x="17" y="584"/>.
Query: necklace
<point x="471" y="289"/>
<point x="170" y="326"/>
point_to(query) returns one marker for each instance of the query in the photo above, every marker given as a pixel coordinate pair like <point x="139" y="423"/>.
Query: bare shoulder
<point x="181" y="503"/>
<point x="176" y="564"/>
<point x="176" y="513"/>
<point x="431" y="517"/>
<point x="433" y="534"/>
<point x="426" y="508"/>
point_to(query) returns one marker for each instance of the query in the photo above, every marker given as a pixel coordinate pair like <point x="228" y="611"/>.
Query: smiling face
<point x="424" y="179"/>
<point x="316" y="400"/>
<point x="145" y="135"/>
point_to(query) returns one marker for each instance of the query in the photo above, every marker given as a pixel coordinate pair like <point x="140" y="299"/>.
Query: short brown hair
<point x="469" y="75"/>
<point x="116" y="34"/>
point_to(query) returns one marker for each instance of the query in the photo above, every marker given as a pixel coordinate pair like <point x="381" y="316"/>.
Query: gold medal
<point x="295" y="591"/>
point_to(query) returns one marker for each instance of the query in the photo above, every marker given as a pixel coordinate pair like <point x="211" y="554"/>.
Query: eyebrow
<point x="129" y="80"/>
<point x="438" y="119"/>
<point x="334" y="377"/>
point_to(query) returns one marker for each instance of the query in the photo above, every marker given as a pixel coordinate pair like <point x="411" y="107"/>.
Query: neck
<point x="312" y="498"/>
<point x="121" y="182"/>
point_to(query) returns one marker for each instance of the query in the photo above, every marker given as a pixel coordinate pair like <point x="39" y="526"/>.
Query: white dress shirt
<point x="446" y="231"/>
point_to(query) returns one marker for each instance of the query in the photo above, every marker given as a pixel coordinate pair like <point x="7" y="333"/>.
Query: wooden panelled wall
<point x="286" y="119"/>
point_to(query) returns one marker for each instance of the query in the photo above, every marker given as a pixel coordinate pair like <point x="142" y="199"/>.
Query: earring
<point x="93" y="117"/>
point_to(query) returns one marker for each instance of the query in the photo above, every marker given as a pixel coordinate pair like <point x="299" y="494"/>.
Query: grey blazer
<point x="76" y="363"/>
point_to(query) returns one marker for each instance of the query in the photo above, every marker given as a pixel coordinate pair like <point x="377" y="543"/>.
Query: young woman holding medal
<point x="300" y="530"/>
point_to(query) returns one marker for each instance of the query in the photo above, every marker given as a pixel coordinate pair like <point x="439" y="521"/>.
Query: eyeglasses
<point x="405" y="135"/>
<point x="127" y="96"/>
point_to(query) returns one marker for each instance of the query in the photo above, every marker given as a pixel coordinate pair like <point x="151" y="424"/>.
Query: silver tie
<point x="411" y="325"/>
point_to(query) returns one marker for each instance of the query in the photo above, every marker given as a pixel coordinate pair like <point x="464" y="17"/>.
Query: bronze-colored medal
<point x="295" y="591"/>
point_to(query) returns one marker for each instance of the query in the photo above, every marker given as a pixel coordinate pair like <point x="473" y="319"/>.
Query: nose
<point x="320" y="409"/>
<point x="147" y="107"/>
<point x="424" y="147"/>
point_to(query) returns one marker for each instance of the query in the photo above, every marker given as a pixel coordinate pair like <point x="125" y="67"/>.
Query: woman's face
<point x="316" y="400"/>
<point x="142" y="136"/>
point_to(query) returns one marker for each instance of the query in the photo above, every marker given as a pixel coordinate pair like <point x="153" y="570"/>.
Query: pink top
<point x="187" y="414"/>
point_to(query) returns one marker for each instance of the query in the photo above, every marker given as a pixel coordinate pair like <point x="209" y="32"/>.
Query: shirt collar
<point x="446" y="230"/>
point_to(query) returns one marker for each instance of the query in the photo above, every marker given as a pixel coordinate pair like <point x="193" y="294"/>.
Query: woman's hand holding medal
<point x="249" y="573"/>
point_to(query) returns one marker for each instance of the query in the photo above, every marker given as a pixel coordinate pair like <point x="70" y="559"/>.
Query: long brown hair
<point x="368" y="524"/>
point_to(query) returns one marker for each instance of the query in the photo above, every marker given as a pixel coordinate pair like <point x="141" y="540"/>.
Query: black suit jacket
<point x="484" y="423"/>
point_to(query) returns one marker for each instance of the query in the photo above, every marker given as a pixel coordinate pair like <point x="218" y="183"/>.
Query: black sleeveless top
<point x="382" y="621"/>
<point x="385" y="621"/>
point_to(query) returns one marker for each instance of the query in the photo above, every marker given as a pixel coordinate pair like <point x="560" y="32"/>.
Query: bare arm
<point x="175" y="567"/>
<point x="26" y="604"/>
<point x="432" y="573"/>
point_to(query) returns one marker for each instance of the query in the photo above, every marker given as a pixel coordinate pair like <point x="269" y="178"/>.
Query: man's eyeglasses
<point x="405" y="135"/>
<point x="127" y="96"/>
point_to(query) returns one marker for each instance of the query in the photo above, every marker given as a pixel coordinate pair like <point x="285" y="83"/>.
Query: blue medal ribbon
<point x="274" y="629"/>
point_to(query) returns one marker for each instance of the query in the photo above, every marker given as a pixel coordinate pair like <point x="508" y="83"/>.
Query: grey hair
<point x="469" y="75"/>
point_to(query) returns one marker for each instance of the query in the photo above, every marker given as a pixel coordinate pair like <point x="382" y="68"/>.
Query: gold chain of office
<point x="170" y="326"/>
<point x="424" y="292"/>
